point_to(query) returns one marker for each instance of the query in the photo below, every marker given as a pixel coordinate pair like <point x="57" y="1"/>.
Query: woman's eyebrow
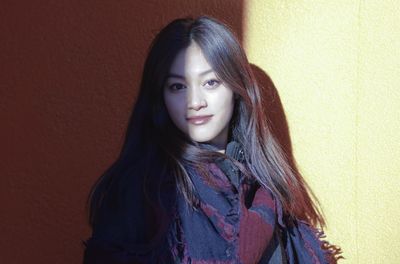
<point x="206" y="72"/>
<point x="175" y="75"/>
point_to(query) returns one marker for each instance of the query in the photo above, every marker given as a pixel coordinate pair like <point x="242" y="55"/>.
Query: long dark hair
<point x="157" y="150"/>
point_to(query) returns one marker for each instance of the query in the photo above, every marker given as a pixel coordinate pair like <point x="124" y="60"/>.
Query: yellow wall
<point x="336" y="65"/>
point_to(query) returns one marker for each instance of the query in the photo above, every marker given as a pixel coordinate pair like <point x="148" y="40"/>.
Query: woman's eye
<point x="176" y="86"/>
<point x="212" y="83"/>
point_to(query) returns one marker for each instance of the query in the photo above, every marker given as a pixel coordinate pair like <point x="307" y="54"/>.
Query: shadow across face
<point x="198" y="102"/>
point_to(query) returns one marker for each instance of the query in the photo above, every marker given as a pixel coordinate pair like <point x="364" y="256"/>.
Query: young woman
<point x="200" y="178"/>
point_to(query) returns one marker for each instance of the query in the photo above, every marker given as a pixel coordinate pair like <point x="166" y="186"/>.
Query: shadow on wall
<point x="276" y="114"/>
<point x="277" y="119"/>
<point x="72" y="70"/>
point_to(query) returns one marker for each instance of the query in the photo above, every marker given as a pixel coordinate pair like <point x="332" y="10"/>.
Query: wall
<point x="336" y="67"/>
<point x="69" y="77"/>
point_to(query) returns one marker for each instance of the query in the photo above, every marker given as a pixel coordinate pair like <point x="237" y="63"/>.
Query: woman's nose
<point x="195" y="98"/>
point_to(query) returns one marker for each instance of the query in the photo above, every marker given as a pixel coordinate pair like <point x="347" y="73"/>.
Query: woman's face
<point x="192" y="89"/>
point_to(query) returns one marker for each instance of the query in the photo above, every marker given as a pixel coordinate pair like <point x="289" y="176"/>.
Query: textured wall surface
<point x="336" y="65"/>
<point x="68" y="80"/>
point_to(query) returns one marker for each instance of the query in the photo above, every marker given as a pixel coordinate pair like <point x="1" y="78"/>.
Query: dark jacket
<point x="238" y="221"/>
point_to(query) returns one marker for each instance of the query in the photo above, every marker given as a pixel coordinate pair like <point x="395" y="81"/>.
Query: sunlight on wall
<point x="336" y="67"/>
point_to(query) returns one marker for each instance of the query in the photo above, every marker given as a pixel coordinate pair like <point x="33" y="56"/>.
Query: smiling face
<point x="191" y="89"/>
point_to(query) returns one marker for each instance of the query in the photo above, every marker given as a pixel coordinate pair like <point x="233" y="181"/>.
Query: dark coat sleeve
<point x="119" y="231"/>
<point x="125" y="229"/>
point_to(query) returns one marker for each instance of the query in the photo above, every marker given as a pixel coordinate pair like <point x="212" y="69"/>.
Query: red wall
<point x="68" y="79"/>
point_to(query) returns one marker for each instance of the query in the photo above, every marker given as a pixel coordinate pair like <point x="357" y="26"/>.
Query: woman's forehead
<point x="190" y="62"/>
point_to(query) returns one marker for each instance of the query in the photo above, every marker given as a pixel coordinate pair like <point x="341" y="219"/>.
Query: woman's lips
<point x="199" y="120"/>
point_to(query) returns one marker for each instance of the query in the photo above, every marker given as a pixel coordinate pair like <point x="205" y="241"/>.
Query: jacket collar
<point x="235" y="151"/>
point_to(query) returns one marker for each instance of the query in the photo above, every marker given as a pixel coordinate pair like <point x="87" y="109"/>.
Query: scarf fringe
<point x="332" y="253"/>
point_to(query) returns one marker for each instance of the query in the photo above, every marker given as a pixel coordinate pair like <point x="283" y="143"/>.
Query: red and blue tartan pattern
<point x="238" y="222"/>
